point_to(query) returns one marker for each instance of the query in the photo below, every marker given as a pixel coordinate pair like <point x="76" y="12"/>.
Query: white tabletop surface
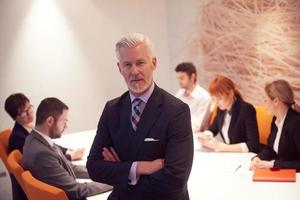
<point x="214" y="175"/>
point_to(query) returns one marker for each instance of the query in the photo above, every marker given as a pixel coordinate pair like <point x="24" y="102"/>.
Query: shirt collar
<point x="194" y="93"/>
<point x="46" y="137"/>
<point x="144" y="97"/>
<point x="280" y="124"/>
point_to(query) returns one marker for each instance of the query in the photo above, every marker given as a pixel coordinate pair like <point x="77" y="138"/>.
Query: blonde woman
<point x="283" y="148"/>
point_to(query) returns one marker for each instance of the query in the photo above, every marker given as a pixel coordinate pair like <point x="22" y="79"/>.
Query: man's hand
<point x="149" y="167"/>
<point x="76" y="154"/>
<point x="110" y="155"/>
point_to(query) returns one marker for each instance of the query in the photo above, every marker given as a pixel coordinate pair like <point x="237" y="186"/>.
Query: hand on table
<point x="76" y="154"/>
<point x="261" y="164"/>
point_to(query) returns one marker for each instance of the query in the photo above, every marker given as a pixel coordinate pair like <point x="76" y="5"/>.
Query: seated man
<point x="21" y="111"/>
<point x="195" y="96"/>
<point x="45" y="160"/>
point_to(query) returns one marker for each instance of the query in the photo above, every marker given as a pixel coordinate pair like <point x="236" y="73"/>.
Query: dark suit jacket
<point x="243" y="125"/>
<point x="17" y="140"/>
<point x="289" y="143"/>
<point x="166" y="119"/>
<point x="45" y="164"/>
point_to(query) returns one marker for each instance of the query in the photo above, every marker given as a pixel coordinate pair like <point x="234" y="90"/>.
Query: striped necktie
<point x="136" y="112"/>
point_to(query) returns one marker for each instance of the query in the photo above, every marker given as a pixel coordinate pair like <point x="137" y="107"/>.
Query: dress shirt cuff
<point x="133" y="178"/>
<point x="244" y="147"/>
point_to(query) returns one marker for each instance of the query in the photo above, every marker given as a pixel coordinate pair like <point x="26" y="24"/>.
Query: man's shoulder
<point x="179" y="93"/>
<point x="118" y="100"/>
<point x="33" y="144"/>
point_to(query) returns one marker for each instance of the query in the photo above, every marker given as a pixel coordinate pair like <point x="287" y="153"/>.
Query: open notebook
<point x="275" y="175"/>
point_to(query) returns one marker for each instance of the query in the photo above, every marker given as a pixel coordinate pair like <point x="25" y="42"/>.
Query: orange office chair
<point x="37" y="190"/>
<point x="13" y="161"/>
<point x="4" y="138"/>
<point x="264" y="120"/>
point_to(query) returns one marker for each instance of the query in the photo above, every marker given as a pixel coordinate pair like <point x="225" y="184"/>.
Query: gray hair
<point x="132" y="40"/>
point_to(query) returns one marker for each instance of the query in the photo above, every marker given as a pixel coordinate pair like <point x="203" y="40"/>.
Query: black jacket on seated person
<point x="243" y="125"/>
<point x="289" y="143"/>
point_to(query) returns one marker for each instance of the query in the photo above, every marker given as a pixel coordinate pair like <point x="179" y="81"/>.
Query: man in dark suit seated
<point x="45" y="160"/>
<point x="144" y="135"/>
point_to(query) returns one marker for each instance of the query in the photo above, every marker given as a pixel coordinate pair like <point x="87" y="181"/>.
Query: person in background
<point x="45" y="160"/>
<point x="283" y="147"/>
<point x="21" y="111"/>
<point x="195" y="96"/>
<point x="235" y="121"/>
<point x="145" y="135"/>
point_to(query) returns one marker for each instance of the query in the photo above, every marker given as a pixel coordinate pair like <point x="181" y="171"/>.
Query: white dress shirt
<point x="46" y="137"/>
<point x="200" y="103"/>
<point x="225" y="128"/>
<point x="132" y="177"/>
<point x="279" y="125"/>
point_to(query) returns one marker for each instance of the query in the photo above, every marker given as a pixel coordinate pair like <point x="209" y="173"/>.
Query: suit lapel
<point x="40" y="138"/>
<point x="126" y="132"/>
<point x="149" y="116"/>
<point x="60" y="157"/>
<point x="235" y="110"/>
<point x="283" y="137"/>
<point x="221" y="122"/>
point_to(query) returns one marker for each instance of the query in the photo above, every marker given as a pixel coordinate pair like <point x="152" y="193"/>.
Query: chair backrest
<point x="13" y="161"/>
<point x="4" y="138"/>
<point x="37" y="190"/>
<point x="264" y="120"/>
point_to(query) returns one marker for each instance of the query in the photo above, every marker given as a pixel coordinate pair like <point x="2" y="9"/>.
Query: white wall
<point x="181" y="23"/>
<point x="65" y="48"/>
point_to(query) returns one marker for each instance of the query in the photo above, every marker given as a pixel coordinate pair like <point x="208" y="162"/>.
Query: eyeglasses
<point x="27" y="111"/>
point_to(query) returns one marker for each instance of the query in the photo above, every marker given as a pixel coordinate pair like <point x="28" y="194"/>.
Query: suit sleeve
<point x="112" y="173"/>
<point x="178" y="158"/>
<point x="80" y="171"/>
<point x="294" y="164"/>
<point x="52" y="172"/>
<point x="251" y="130"/>
<point x="16" y="142"/>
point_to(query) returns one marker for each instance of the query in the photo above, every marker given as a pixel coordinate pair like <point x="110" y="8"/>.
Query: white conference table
<point x="214" y="176"/>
